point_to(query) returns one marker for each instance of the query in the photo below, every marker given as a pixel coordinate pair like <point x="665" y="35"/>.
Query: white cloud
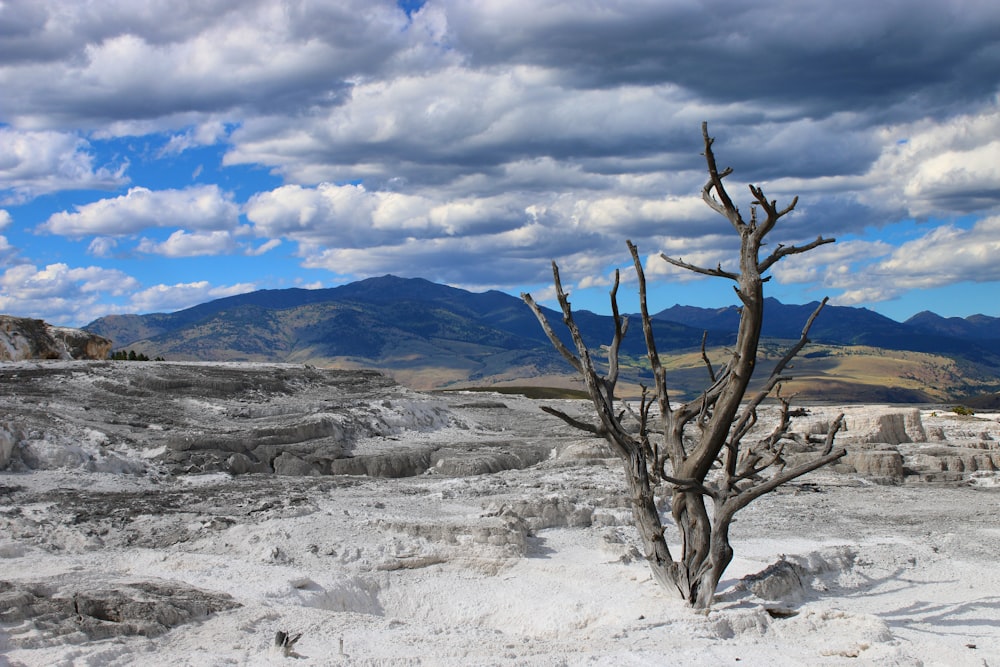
<point x="457" y="122"/>
<point x="70" y="296"/>
<point x="185" y="244"/>
<point x="204" y="134"/>
<point x="491" y="137"/>
<point x="61" y="294"/>
<point x="351" y="216"/>
<point x="264" y="248"/>
<point x="934" y="168"/>
<point x="831" y="264"/>
<point x="7" y="251"/>
<point x="102" y="246"/>
<point x="870" y="272"/>
<point x="36" y="163"/>
<point x="203" y="207"/>
<point x="168" y="298"/>
<point x="91" y="65"/>
<point x="946" y="255"/>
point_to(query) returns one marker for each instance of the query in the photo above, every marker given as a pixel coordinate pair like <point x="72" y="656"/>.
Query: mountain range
<point x="432" y="336"/>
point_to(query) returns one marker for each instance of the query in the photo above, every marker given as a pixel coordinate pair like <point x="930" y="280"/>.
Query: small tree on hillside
<point x="699" y="455"/>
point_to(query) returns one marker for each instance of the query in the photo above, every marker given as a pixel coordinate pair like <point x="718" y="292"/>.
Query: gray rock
<point x="23" y="338"/>
<point x="48" y="615"/>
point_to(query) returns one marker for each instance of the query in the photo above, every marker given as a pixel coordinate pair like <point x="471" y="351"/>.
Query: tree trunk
<point x="647" y="519"/>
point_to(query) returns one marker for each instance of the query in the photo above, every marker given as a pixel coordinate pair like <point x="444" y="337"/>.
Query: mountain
<point x="434" y="336"/>
<point x="976" y="338"/>
<point x="426" y="333"/>
<point x="974" y="327"/>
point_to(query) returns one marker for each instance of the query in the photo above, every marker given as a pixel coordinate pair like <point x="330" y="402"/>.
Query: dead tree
<point x="697" y="452"/>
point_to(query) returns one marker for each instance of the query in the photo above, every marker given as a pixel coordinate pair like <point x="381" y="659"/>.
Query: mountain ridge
<point x="433" y="336"/>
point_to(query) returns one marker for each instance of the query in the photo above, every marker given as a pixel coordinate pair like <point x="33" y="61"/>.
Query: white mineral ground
<point x="532" y="566"/>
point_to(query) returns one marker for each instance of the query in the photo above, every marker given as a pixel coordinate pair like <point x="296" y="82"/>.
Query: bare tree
<point x="698" y="455"/>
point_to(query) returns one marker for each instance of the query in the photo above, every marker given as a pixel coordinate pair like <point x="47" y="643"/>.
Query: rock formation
<point x="23" y="338"/>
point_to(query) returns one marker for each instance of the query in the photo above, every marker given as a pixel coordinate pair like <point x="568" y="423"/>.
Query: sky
<point x="155" y="155"/>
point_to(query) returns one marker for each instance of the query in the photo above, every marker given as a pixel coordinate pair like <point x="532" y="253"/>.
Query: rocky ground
<point x="187" y="513"/>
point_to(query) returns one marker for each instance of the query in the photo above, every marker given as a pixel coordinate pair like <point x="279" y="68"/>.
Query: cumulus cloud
<point x="203" y="207"/>
<point x="61" y="294"/>
<point x="473" y="141"/>
<point x="832" y="265"/>
<point x="352" y="216"/>
<point x="167" y="298"/>
<point x="798" y="49"/>
<point x="204" y="134"/>
<point x="74" y="296"/>
<point x="123" y="61"/>
<point x="940" y="168"/>
<point x="7" y="251"/>
<point x="944" y="255"/>
<point x="186" y="244"/>
<point x="102" y="246"/>
<point x="462" y="122"/>
<point x="36" y="163"/>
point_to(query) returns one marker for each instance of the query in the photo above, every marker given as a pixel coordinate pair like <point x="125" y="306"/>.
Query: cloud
<point x="7" y="251"/>
<point x="203" y="207"/>
<point x="167" y="298"/>
<point x="124" y="61"/>
<point x="64" y="295"/>
<point x="61" y="294"/>
<point x="352" y="216"/>
<point x="36" y="163"/>
<point x="263" y="248"/>
<point x="810" y="57"/>
<point x="870" y="272"/>
<point x="474" y="141"/>
<point x="944" y="255"/>
<point x="204" y="134"/>
<point x="436" y="127"/>
<point x="185" y="244"/>
<point x="102" y="246"/>
<point x="940" y="168"/>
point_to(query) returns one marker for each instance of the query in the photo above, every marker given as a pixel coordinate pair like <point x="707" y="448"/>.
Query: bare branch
<point x="752" y="493"/>
<point x="575" y="423"/>
<point x="784" y="251"/>
<point x="704" y="356"/>
<point x="621" y="327"/>
<point x="717" y="272"/>
<point x="838" y="424"/>
<point x="659" y="376"/>
<point x="550" y="334"/>
<point x="779" y="368"/>
<point x="723" y="204"/>
<point x="771" y="208"/>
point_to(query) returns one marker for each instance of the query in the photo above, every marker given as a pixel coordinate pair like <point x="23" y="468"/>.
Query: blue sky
<point x="155" y="155"/>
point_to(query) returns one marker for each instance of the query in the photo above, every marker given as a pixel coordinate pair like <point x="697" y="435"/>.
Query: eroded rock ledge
<point x="239" y="418"/>
<point x="23" y="338"/>
<point x="49" y="614"/>
<point x="180" y="418"/>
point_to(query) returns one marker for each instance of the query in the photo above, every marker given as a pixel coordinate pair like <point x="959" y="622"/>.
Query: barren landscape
<point x="187" y="513"/>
